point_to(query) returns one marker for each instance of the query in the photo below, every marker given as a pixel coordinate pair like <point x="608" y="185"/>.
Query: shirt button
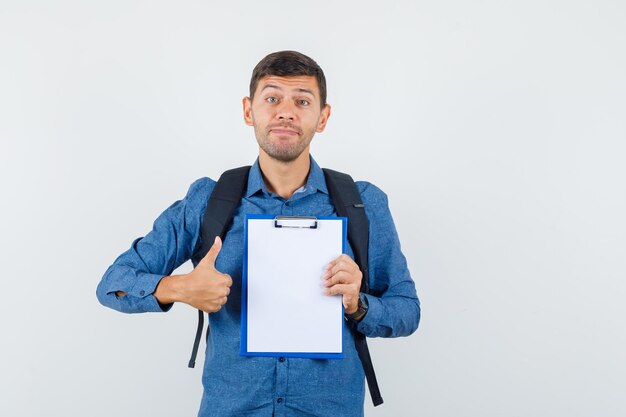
<point x="287" y="203"/>
<point x="281" y="359"/>
<point x="142" y="292"/>
<point x="279" y="400"/>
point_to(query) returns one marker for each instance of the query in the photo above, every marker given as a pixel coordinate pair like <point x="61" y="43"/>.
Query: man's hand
<point x="343" y="276"/>
<point x="204" y="288"/>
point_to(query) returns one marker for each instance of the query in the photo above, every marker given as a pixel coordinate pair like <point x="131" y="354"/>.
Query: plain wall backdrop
<point x="497" y="129"/>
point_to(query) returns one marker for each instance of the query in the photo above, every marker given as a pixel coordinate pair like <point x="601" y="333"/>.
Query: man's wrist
<point x="166" y="292"/>
<point x="361" y="310"/>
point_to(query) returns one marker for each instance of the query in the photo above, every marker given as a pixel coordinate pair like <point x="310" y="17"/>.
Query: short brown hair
<point x="288" y="64"/>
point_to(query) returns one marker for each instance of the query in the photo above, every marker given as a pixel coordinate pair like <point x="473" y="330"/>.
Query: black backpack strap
<point x="347" y="200"/>
<point x="218" y="215"/>
<point x="224" y="200"/>
<point x="196" y="341"/>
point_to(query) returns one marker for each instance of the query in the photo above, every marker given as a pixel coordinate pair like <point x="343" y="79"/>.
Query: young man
<point x="286" y="107"/>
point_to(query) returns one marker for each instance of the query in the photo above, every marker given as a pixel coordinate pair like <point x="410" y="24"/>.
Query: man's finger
<point x="341" y="277"/>
<point x="330" y="265"/>
<point x="212" y="308"/>
<point x="343" y="263"/>
<point x="341" y="289"/>
<point x="211" y="255"/>
<point x="227" y="280"/>
<point x="341" y="272"/>
<point x="342" y="257"/>
<point x="332" y="268"/>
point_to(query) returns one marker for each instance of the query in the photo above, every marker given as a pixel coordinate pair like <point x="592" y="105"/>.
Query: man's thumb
<point x="211" y="255"/>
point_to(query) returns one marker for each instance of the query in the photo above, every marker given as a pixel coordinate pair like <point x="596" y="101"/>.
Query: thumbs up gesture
<point x="204" y="288"/>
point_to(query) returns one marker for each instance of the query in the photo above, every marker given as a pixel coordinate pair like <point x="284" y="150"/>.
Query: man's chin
<point x="283" y="155"/>
<point x="282" y="150"/>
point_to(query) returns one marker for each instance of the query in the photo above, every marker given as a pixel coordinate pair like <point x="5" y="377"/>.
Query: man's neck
<point x="284" y="178"/>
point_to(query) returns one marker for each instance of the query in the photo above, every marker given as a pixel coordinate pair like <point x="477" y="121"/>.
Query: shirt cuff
<point x="143" y="291"/>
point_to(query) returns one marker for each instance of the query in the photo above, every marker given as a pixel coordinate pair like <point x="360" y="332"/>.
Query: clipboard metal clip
<point x="297" y="222"/>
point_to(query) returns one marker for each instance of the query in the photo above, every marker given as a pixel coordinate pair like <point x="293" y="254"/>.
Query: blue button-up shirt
<point x="235" y="385"/>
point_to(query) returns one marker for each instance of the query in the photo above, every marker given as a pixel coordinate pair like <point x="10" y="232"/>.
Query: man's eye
<point x="272" y="100"/>
<point x="303" y="102"/>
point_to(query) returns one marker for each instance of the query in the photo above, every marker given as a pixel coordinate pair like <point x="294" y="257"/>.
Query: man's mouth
<point x="283" y="131"/>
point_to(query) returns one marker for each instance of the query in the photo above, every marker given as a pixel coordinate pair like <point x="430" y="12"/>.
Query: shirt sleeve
<point x="171" y="242"/>
<point x="394" y="308"/>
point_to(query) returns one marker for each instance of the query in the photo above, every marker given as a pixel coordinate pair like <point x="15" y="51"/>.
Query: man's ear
<point x="321" y="125"/>
<point x="247" y="111"/>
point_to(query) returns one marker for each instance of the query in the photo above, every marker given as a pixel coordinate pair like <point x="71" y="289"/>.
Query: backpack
<point x="226" y="197"/>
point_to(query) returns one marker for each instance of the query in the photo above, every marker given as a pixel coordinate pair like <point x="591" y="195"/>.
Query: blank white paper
<point x="287" y="310"/>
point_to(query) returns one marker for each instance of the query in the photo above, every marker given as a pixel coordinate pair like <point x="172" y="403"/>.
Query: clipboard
<point x="284" y="312"/>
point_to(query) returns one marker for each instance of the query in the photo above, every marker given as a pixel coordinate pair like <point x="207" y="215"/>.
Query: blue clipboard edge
<point x="244" y="296"/>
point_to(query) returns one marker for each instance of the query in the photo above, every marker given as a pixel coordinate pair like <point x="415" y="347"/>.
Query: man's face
<point x="285" y="114"/>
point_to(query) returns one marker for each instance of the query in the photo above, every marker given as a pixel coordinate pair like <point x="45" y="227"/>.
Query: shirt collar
<point x="315" y="180"/>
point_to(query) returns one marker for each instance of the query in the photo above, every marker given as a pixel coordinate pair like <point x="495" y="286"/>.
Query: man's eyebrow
<point x="304" y="90"/>
<point x="300" y="90"/>
<point x="271" y="86"/>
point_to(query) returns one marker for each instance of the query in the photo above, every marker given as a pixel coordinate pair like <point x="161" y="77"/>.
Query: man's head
<point x="288" y="64"/>
<point x="287" y="105"/>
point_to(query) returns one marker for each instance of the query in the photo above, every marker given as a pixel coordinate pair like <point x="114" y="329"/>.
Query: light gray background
<point x="496" y="128"/>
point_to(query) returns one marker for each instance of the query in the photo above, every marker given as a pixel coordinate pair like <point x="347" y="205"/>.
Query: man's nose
<point x="285" y="111"/>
